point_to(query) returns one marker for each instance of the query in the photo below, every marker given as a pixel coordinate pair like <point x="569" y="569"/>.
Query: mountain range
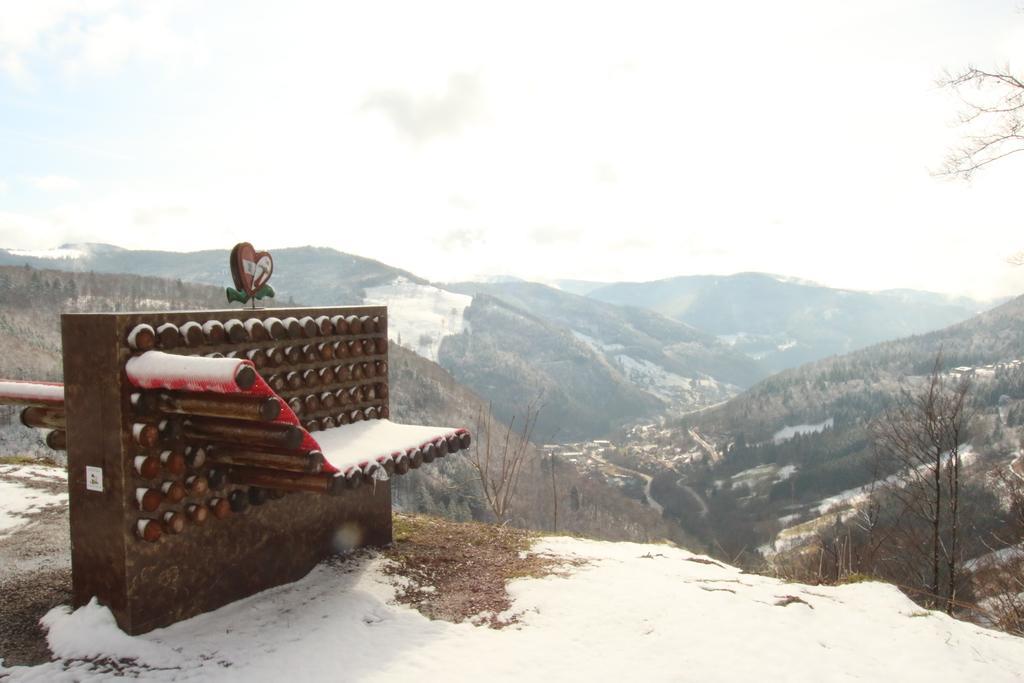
<point x="624" y="352"/>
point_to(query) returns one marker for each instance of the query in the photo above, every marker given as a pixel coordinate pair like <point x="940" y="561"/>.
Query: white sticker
<point x="93" y="478"/>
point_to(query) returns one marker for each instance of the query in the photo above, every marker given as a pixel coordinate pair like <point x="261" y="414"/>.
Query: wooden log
<point x="147" y="466"/>
<point x="310" y="403"/>
<point x="341" y="349"/>
<point x="294" y="380"/>
<point x="238" y="500"/>
<point x="285" y="481"/>
<point x="327" y="376"/>
<point x="258" y="357"/>
<point x="169" y="336"/>
<point x="309" y="326"/>
<point x="355" y="325"/>
<point x="256" y="330"/>
<point x="243" y="432"/>
<point x="148" y="530"/>
<point x="310" y="462"/>
<point x="173" y="522"/>
<point x="296" y="405"/>
<point x="310" y="378"/>
<point x="214" y="332"/>
<point x="197" y="513"/>
<point x="217" y="478"/>
<point x="39" y="417"/>
<point x="192" y="333"/>
<point x="174" y="491"/>
<point x="236" y="331"/>
<point x="275" y="328"/>
<point x="325" y="326"/>
<point x="146" y="434"/>
<point x="325" y="351"/>
<point x="415" y="458"/>
<point x="258" y="495"/>
<point x="195" y="457"/>
<point x="210" y="404"/>
<point x="381" y="344"/>
<point x="148" y="499"/>
<point x="293" y="327"/>
<point x="340" y="324"/>
<point x="275" y="356"/>
<point x="173" y="462"/>
<point x="197" y="485"/>
<point x="293" y="354"/>
<point x="219" y="507"/>
<point x="142" y="338"/>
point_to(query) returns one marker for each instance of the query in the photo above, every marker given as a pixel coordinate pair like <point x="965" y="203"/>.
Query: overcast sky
<point x="625" y="141"/>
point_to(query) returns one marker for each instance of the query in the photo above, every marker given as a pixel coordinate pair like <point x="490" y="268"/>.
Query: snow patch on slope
<point x="637" y="602"/>
<point x="61" y="253"/>
<point x="787" y="432"/>
<point x="420" y="315"/>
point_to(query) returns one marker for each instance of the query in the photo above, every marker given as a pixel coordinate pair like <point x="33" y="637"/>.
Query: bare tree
<point x="993" y="112"/>
<point x="498" y="460"/>
<point x="921" y="439"/>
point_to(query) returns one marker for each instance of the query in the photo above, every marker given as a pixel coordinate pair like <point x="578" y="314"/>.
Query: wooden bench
<point x="214" y="454"/>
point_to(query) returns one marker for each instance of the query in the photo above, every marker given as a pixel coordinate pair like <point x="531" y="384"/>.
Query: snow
<point x="62" y="253"/>
<point x="422" y="315"/>
<point x="353" y="444"/>
<point x="159" y="370"/>
<point x="43" y="392"/>
<point x="18" y="501"/>
<point x="787" y="432"/>
<point x="630" y="612"/>
<point x="785" y="472"/>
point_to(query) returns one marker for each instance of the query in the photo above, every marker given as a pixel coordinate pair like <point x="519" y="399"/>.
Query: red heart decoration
<point x="250" y="269"/>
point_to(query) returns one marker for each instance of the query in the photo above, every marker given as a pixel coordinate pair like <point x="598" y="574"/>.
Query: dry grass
<point x="459" y="571"/>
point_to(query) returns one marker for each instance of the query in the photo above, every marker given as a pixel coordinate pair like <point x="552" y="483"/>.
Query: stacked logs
<point x="204" y="456"/>
<point x="332" y="370"/>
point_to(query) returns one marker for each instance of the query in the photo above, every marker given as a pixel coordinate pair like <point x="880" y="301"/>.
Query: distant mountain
<point x="581" y="287"/>
<point x="634" y="340"/>
<point x="515" y="359"/>
<point x="785" y="322"/>
<point x="314" y="275"/>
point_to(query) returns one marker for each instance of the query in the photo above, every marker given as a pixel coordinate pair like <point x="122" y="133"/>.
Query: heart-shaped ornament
<point x="250" y="269"/>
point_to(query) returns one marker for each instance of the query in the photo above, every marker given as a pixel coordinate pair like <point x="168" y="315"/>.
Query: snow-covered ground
<point x="421" y="315"/>
<point x="18" y="501"/>
<point x="787" y="432"/>
<point x="632" y="612"/>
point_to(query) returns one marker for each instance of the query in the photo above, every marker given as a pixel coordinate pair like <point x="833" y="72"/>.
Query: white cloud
<point x="54" y="183"/>
<point x="592" y="141"/>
